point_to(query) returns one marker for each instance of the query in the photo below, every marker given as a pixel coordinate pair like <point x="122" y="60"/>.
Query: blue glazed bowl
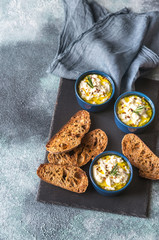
<point x="93" y="107"/>
<point x="109" y="192"/>
<point x="129" y="129"/>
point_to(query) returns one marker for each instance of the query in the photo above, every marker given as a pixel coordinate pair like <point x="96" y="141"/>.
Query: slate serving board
<point x="135" y="200"/>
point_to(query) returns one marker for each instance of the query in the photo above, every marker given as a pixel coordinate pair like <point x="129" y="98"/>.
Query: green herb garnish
<point x="114" y="170"/>
<point x="138" y="109"/>
<point x="89" y="82"/>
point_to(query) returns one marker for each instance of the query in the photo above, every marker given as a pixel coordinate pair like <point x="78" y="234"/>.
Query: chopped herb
<point x="138" y="109"/>
<point x="114" y="170"/>
<point x="89" y="82"/>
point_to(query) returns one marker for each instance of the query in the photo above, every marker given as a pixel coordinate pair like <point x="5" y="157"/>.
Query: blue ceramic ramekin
<point x="93" y="107"/>
<point x="128" y="129"/>
<point x="109" y="192"/>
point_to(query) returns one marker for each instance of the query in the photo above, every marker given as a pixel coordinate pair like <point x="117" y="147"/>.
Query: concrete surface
<point x="28" y="42"/>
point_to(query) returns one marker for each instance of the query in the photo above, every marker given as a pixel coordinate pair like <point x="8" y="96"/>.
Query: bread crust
<point x="141" y="156"/>
<point x="93" y="143"/>
<point x="68" y="177"/>
<point x="71" y="133"/>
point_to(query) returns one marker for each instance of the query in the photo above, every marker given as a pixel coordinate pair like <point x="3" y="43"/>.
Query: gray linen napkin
<point x="122" y="44"/>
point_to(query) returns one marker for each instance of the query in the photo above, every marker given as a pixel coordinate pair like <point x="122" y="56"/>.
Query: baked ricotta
<point x="95" y="89"/>
<point x="111" y="172"/>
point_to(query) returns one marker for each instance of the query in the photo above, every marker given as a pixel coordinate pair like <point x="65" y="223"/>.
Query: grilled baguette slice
<point x="71" y="134"/>
<point x="93" y="143"/>
<point x="141" y="156"/>
<point x="68" y="177"/>
<point x="67" y="158"/>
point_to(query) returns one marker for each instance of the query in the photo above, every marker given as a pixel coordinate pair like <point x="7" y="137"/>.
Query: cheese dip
<point x="134" y="111"/>
<point x="95" y="89"/>
<point x="111" y="172"/>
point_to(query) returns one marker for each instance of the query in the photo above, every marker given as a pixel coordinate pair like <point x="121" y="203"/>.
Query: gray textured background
<point x="29" y="33"/>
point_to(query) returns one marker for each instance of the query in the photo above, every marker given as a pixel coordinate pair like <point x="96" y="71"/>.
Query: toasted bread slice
<point x="149" y="175"/>
<point x="92" y="144"/>
<point x="141" y="156"/>
<point x="68" y="177"/>
<point x="71" y="134"/>
<point x="67" y="158"/>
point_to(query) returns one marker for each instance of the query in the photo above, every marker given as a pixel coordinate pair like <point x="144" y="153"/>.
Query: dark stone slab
<point x="135" y="200"/>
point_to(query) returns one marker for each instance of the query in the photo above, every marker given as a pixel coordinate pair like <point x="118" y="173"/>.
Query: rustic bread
<point x="149" y="175"/>
<point x="63" y="158"/>
<point x="92" y="144"/>
<point x="141" y="156"/>
<point x="68" y="177"/>
<point x="71" y="134"/>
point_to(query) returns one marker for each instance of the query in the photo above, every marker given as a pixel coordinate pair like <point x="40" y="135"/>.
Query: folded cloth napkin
<point x="123" y="44"/>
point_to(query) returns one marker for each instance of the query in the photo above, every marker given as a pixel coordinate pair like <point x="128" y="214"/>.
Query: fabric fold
<point x="145" y="60"/>
<point x="118" y="43"/>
